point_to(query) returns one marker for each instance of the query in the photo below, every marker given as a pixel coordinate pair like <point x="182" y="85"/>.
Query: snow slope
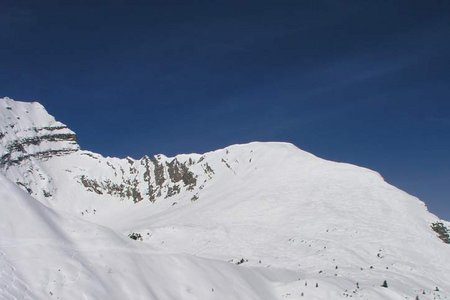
<point x="275" y="218"/>
<point x="45" y="255"/>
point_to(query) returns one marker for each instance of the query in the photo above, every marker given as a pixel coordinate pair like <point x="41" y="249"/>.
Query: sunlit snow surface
<point x="269" y="222"/>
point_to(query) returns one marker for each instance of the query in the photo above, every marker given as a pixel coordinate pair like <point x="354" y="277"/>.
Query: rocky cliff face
<point x="148" y="178"/>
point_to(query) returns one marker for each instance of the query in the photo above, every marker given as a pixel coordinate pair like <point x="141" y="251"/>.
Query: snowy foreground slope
<point x="46" y="255"/>
<point x="253" y="221"/>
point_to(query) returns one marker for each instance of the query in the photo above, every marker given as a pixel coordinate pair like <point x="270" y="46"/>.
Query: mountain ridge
<point x="269" y="206"/>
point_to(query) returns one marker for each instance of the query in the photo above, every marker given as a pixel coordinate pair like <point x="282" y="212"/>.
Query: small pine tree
<point x="417" y="298"/>
<point x="317" y="285"/>
<point x="436" y="289"/>
<point x="357" y="285"/>
<point x="385" y="285"/>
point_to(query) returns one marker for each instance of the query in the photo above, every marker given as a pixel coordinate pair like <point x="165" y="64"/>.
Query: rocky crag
<point x="30" y="137"/>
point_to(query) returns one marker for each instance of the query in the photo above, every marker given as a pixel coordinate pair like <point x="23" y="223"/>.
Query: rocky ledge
<point x="27" y="131"/>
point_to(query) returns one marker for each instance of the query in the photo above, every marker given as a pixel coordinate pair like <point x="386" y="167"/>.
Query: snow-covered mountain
<point x="253" y="221"/>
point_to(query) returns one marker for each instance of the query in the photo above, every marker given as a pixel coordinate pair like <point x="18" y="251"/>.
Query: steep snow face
<point x="269" y="206"/>
<point x="29" y="134"/>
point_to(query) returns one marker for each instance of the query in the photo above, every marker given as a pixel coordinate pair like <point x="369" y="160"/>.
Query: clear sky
<point x="365" y="82"/>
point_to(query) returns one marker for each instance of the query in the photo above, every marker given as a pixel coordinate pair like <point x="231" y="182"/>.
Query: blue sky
<point x="366" y="83"/>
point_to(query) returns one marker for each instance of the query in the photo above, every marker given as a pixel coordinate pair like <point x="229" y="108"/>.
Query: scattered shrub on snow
<point x="135" y="236"/>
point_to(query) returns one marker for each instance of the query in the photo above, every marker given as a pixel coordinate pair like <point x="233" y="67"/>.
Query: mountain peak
<point x="27" y="130"/>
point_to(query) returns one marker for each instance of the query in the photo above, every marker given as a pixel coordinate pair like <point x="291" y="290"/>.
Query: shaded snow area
<point x="254" y="221"/>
